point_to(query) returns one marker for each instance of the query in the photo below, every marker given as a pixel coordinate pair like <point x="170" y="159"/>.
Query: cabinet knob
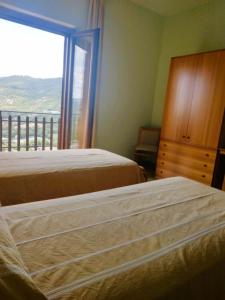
<point x="203" y="176"/>
<point x="205" y="166"/>
<point x="164" y="154"/>
<point x="162" y="163"/>
<point x="188" y="137"/>
<point x="165" y="145"/>
<point x="207" y="154"/>
<point x="161" y="172"/>
<point x="183" y="136"/>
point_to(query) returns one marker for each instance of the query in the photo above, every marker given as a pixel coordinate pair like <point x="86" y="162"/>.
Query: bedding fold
<point x="15" y="282"/>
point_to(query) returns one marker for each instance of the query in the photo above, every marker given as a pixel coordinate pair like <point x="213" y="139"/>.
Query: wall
<point x="201" y="29"/>
<point x="131" y="45"/>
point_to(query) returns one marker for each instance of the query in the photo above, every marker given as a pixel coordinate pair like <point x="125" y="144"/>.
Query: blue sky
<point x="28" y="51"/>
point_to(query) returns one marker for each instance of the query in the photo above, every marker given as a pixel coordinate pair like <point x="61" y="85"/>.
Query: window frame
<point x="68" y="77"/>
<point x="35" y="22"/>
<point x="69" y="34"/>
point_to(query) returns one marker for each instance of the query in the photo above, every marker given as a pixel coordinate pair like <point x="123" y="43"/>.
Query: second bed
<point x="34" y="176"/>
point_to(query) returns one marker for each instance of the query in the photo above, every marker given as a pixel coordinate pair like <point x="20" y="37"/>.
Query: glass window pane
<point x="31" y="72"/>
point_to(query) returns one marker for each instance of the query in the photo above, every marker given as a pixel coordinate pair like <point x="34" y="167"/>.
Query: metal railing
<point x="28" y="131"/>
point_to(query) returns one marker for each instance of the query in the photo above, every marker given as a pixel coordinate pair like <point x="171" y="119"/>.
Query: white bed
<point x="157" y="240"/>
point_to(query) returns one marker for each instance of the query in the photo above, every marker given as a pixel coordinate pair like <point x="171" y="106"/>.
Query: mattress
<point x="157" y="240"/>
<point x="33" y="176"/>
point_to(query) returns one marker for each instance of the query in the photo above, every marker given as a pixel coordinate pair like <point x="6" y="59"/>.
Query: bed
<point x="33" y="176"/>
<point x="157" y="240"/>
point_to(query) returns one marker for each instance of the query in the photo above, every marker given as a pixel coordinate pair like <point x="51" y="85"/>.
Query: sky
<point x="30" y="52"/>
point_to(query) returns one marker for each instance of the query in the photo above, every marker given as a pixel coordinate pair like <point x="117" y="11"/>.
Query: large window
<point x="31" y="73"/>
<point x="47" y="84"/>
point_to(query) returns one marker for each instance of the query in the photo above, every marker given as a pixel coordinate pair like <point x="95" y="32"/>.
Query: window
<point x="31" y="72"/>
<point x="47" y="84"/>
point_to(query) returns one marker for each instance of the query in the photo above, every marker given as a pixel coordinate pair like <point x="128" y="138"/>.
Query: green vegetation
<point x="24" y="93"/>
<point x="27" y="94"/>
<point x="33" y="98"/>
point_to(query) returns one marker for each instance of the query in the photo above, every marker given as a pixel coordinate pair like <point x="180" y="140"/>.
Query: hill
<point x="24" y="93"/>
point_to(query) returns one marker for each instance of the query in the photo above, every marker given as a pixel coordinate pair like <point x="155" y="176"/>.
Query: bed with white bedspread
<point x="157" y="240"/>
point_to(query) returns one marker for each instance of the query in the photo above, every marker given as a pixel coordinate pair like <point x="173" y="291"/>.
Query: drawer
<point x="188" y="161"/>
<point x="163" y="173"/>
<point x="206" y="155"/>
<point x="169" y="169"/>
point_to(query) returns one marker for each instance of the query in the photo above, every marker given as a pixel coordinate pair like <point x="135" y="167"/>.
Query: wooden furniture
<point x="193" y="116"/>
<point x="147" y="145"/>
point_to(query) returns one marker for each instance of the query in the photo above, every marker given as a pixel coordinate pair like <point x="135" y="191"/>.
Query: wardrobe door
<point x="208" y="101"/>
<point x="179" y="93"/>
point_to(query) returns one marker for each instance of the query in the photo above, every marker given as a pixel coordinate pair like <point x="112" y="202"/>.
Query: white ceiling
<point x="170" y="7"/>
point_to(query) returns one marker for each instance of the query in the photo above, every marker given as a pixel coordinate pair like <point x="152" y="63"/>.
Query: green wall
<point x="131" y="45"/>
<point x="201" y="29"/>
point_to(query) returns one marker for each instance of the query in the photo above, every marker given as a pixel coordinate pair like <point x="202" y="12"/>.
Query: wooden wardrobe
<point x="193" y="116"/>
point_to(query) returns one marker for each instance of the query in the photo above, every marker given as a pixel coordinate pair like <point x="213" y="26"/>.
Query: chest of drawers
<point x="176" y="159"/>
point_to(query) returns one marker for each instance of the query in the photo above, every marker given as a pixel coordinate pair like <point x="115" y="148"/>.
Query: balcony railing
<point x="28" y="131"/>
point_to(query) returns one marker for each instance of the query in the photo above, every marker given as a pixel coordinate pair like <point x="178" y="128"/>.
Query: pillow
<point x="15" y="282"/>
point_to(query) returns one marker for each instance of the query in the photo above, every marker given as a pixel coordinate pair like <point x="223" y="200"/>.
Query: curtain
<point x="95" y="14"/>
<point x="86" y="130"/>
<point x="96" y="20"/>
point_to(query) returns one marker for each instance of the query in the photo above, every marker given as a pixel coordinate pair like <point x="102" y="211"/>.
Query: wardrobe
<point x="194" y="110"/>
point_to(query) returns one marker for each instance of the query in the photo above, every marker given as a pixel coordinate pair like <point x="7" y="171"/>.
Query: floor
<point x="149" y="169"/>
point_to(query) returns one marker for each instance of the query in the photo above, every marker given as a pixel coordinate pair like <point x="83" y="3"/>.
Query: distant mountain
<point x="24" y="93"/>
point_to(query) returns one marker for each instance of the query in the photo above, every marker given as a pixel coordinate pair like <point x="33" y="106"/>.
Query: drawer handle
<point x="203" y="176"/>
<point x="207" y="154"/>
<point x="205" y="166"/>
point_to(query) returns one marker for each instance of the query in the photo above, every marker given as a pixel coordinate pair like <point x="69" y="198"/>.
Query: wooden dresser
<point x="193" y="116"/>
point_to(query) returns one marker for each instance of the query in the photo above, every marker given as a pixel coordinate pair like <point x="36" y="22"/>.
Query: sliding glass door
<point x="79" y="89"/>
